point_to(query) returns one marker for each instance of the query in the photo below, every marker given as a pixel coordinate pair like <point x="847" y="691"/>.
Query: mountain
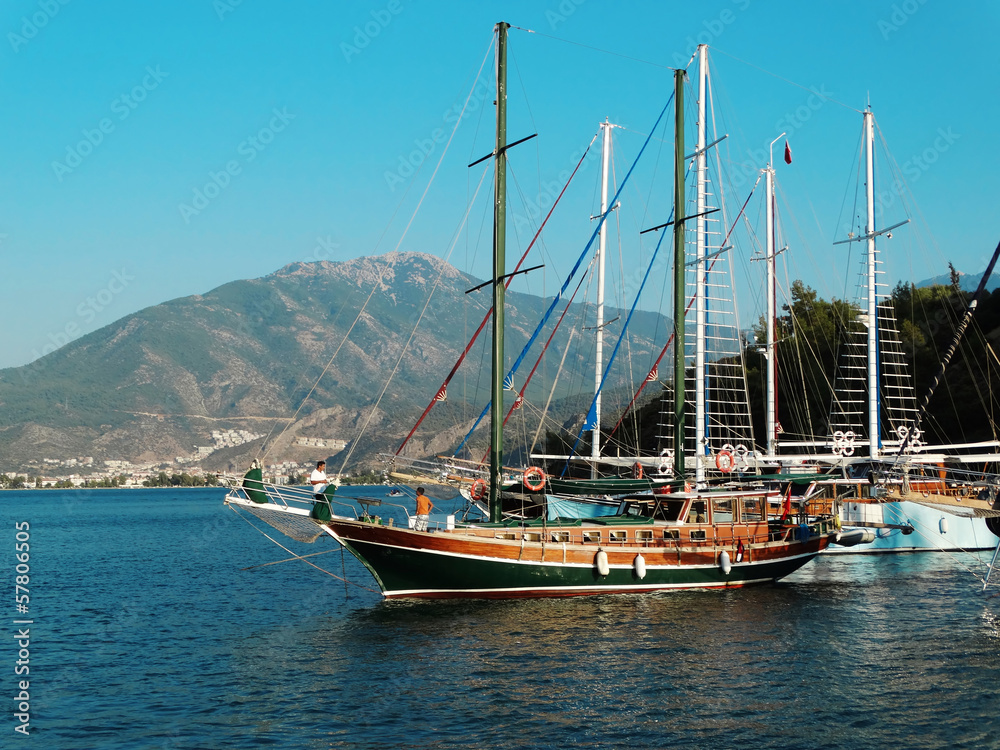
<point x="967" y="281"/>
<point x="305" y="352"/>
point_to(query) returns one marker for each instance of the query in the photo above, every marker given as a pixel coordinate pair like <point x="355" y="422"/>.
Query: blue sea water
<point x="148" y="633"/>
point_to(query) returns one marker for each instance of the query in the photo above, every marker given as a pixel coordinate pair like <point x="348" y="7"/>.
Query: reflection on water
<point x="151" y="635"/>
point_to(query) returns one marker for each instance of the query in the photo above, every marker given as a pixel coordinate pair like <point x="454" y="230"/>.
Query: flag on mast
<point x="786" y="511"/>
<point x="788" y="153"/>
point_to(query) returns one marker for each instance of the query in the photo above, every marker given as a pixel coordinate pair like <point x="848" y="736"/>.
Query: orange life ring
<point x="724" y="461"/>
<point x="637" y="470"/>
<point x="530" y="473"/>
<point x="478" y="490"/>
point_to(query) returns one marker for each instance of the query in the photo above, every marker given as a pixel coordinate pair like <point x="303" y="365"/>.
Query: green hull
<point x="410" y="572"/>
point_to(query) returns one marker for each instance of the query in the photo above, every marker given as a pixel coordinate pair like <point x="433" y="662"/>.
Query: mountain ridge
<point x="153" y="385"/>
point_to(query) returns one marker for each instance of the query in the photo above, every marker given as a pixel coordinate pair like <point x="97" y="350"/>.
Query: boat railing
<point x="286" y="495"/>
<point x="722" y="536"/>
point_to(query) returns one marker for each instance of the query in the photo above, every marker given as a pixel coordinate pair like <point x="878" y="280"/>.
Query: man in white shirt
<point x="318" y="480"/>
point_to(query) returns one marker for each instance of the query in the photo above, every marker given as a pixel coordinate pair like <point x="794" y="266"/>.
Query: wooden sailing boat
<point x="655" y="541"/>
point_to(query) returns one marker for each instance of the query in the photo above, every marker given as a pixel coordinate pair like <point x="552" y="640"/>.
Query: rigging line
<point x="289" y="559"/>
<point x="555" y="381"/>
<point x="644" y="135"/>
<point x="806" y="407"/>
<point x="793" y="83"/>
<point x="321" y="570"/>
<point x="541" y="355"/>
<point x="572" y="273"/>
<point x="261" y="453"/>
<point x="689" y="304"/>
<point x="387" y="265"/>
<point x="489" y="312"/>
<point x="614" y="353"/>
<point x="416" y="325"/>
<point x="969" y="312"/>
<point x="732" y="276"/>
<point x="482" y="110"/>
<point x="595" y="49"/>
<point x="524" y="93"/>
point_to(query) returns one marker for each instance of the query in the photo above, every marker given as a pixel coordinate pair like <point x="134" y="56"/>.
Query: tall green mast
<point x="679" y="274"/>
<point x="499" y="269"/>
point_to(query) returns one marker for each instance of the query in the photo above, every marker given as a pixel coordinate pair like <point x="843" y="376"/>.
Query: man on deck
<point x="318" y="480"/>
<point x="424" y="508"/>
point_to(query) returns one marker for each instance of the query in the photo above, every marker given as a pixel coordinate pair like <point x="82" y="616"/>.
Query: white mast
<point x="872" y="319"/>
<point x="700" y="440"/>
<point x="771" y="416"/>
<point x="595" y="447"/>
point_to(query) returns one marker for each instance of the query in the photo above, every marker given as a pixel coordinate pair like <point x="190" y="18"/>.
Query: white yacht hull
<point x="935" y="528"/>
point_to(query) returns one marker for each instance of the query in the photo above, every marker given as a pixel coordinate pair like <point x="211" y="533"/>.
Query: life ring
<point x="724" y="461"/>
<point x="478" y="490"/>
<point x="533" y="472"/>
<point x="637" y="470"/>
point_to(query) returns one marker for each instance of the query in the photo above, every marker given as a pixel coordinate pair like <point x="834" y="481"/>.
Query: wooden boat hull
<point x="453" y="565"/>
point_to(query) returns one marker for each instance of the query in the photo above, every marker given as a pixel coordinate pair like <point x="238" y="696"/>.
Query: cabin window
<point x="618" y="536"/>
<point x="532" y="536"/>
<point x="698" y="535"/>
<point x="753" y="509"/>
<point x="669" y="510"/>
<point x="671" y="534"/>
<point x="722" y="510"/>
<point x="593" y="537"/>
<point x="697" y="513"/>
<point x="560" y="536"/>
<point x="506" y="535"/>
<point x="633" y="508"/>
<point x="644" y="535"/>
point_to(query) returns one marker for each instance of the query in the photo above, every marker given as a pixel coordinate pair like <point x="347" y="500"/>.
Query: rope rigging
<point x="572" y="273"/>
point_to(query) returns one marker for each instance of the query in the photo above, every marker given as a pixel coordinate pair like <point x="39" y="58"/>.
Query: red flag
<point x="787" y="510"/>
<point x="788" y="153"/>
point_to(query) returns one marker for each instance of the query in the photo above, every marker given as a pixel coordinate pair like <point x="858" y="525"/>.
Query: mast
<point x="771" y="416"/>
<point x="595" y="447"/>
<point x="872" y="312"/>
<point x="499" y="269"/>
<point x="679" y="273"/>
<point x="700" y="418"/>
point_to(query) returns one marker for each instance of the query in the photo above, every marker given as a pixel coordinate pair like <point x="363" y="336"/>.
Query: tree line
<point x="811" y="333"/>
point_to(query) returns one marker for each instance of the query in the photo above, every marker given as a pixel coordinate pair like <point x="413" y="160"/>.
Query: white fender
<point x="724" y="563"/>
<point x="601" y="561"/>
<point x="943" y="525"/>
<point x="640" y="566"/>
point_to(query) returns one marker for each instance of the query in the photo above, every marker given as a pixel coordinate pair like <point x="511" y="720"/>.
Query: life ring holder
<point x="529" y="474"/>
<point x="637" y="472"/>
<point x="724" y="461"/>
<point x="478" y="491"/>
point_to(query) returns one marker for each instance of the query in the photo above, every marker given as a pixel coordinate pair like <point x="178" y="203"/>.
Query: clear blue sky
<point x="117" y="112"/>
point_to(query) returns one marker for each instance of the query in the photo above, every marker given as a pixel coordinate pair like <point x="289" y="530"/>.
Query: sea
<point x="152" y="620"/>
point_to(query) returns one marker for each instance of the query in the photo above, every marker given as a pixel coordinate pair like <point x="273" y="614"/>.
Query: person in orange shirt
<point x="424" y="508"/>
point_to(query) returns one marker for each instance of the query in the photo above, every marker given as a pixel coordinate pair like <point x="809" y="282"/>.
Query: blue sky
<point x="309" y="115"/>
